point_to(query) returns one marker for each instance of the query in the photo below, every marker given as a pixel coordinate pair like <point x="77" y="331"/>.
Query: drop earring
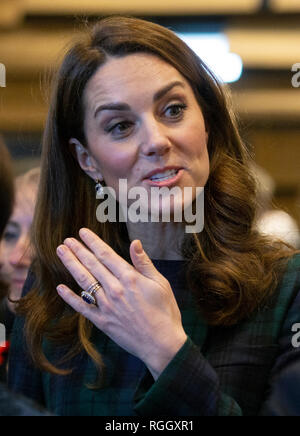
<point x="99" y="189"/>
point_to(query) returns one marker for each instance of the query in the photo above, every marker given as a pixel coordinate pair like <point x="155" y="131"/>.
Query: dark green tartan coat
<point x="252" y="368"/>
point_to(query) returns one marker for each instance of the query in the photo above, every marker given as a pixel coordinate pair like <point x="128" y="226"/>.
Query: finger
<point x="101" y="299"/>
<point x="142" y="262"/>
<point x="81" y="275"/>
<point x="76" y="302"/>
<point x="105" y="254"/>
<point x="92" y="264"/>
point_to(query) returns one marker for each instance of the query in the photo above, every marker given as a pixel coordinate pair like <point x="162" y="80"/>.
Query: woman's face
<point x="15" y="254"/>
<point x="141" y="116"/>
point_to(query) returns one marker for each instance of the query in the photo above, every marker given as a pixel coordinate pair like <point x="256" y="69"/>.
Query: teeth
<point x="164" y="176"/>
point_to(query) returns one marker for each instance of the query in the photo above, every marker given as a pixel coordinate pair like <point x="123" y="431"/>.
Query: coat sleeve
<point x="189" y="386"/>
<point x="283" y="396"/>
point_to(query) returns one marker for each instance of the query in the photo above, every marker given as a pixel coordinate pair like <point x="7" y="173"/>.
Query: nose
<point x="20" y="254"/>
<point x="155" y="140"/>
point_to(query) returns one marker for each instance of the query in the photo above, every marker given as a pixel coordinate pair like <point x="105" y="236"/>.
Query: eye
<point x="175" y="111"/>
<point x="120" y="129"/>
<point x="10" y="236"/>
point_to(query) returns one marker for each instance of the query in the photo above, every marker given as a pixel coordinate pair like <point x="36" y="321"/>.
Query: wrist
<point x="164" y="353"/>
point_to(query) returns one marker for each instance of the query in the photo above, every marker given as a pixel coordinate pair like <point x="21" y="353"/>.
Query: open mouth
<point x="166" y="175"/>
<point x="169" y="177"/>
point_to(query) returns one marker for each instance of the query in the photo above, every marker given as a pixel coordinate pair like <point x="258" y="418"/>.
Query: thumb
<point x="141" y="260"/>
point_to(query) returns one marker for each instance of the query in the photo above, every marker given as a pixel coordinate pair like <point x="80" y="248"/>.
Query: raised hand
<point x="135" y="307"/>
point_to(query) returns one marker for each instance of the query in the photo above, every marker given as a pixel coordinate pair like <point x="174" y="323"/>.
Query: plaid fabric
<point x="218" y="371"/>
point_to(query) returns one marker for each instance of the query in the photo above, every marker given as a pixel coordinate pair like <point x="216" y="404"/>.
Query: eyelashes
<point x="176" y="110"/>
<point x="120" y="128"/>
<point x="123" y="127"/>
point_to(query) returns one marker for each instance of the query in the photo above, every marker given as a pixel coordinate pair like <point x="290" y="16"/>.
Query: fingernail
<point x="60" y="250"/>
<point x="69" y="242"/>
<point x="60" y="289"/>
<point x="83" y="232"/>
<point x="138" y="247"/>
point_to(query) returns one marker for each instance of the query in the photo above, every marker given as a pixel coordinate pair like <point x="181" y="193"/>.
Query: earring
<point x="99" y="189"/>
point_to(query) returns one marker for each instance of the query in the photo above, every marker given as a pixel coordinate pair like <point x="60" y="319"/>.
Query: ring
<point x="88" y="295"/>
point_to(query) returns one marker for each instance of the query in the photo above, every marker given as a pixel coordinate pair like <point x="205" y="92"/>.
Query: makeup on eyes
<point x="125" y="123"/>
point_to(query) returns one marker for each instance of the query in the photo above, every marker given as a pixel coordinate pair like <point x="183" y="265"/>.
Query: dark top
<point x="16" y="405"/>
<point x="236" y="370"/>
<point x="6" y="319"/>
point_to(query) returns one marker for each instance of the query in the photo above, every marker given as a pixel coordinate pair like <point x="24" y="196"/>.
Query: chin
<point x="168" y="209"/>
<point x="16" y="290"/>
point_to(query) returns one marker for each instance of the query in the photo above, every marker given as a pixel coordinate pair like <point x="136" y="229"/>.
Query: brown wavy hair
<point x="6" y="198"/>
<point x="232" y="268"/>
<point x="6" y="186"/>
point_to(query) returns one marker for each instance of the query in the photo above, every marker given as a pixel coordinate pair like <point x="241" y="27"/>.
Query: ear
<point x="85" y="160"/>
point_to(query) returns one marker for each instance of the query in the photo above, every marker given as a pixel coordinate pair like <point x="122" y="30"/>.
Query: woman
<point x="179" y="323"/>
<point x="7" y="191"/>
<point x="10" y="404"/>
<point x="16" y="256"/>
<point x="15" y="252"/>
<point x="6" y="205"/>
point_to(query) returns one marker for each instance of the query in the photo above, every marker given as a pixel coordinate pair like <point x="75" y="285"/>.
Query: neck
<point x="159" y="240"/>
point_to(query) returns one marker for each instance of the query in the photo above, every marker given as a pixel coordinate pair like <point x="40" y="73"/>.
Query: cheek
<point x="5" y="267"/>
<point x="206" y="168"/>
<point x="6" y="249"/>
<point x="199" y="142"/>
<point x="114" y="161"/>
<point x="197" y="153"/>
<point x="116" y="166"/>
<point x="194" y="136"/>
<point x="195" y="144"/>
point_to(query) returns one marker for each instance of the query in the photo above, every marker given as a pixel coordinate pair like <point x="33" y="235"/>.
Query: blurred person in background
<point x="15" y="246"/>
<point x="270" y="220"/>
<point x="7" y="196"/>
<point x="15" y="251"/>
<point x="10" y="404"/>
<point x="6" y="207"/>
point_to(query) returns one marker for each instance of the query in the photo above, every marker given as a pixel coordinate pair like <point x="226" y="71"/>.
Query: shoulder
<point x="294" y="262"/>
<point x="280" y="310"/>
<point x="289" y="285"/>
<point x="287" y="307"/>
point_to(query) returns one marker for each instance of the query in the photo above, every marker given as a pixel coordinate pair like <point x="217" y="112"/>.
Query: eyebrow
<point x="125" y="107"/>
<point x="159" y="94"/>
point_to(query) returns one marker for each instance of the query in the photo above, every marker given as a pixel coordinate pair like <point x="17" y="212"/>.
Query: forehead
<point x="24" y="203"/>
<point x="134" y="74"/>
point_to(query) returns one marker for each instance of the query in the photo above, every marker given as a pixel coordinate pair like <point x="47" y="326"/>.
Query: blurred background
<point x="253" y="45"/>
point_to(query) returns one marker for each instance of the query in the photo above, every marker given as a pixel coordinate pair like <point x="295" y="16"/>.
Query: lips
<point x="162" y="171"/>
<point x="18" y="281"/>
<point x="165" y="178"/>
